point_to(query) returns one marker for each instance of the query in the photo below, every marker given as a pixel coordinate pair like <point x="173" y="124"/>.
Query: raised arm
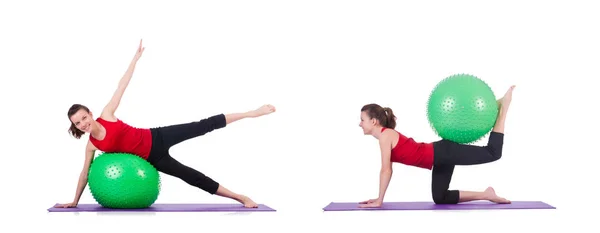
<point x="90" y="151"/>
<point x="109" y="110"/>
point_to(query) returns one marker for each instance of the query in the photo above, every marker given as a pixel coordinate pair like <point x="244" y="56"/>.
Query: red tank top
<point x="123" y="138"/>
<point x="412" y="153"/>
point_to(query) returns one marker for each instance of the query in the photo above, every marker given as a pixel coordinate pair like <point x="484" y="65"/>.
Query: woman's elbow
<point x="386" y="170"/>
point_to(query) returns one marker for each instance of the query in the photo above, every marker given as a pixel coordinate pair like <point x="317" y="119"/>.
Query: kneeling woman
<point x="440" y="156"/>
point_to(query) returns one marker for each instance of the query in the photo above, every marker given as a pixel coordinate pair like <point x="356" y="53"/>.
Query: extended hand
<point x="372" y="203"/>
<point x="139" y="51"/>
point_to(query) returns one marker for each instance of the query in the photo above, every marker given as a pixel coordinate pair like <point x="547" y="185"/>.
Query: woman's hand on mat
<point x="371" y="203"/>
<point x="67" y="205"/>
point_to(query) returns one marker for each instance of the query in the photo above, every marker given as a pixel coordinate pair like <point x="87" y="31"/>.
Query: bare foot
<point x="490" y="195"/>
<point x="247" y="202"/>
<point x="504" y="102"/>
<point x="263" y="110"/>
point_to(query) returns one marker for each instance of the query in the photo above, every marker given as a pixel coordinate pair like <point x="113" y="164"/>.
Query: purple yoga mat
<point x="348" y="206"/>
<point x="167" y="208"/>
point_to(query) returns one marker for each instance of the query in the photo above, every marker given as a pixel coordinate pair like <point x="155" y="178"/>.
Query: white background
<point x="318" y="62"/>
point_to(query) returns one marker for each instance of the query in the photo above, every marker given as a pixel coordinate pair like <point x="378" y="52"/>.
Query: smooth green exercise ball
<point x="462" y="108"/>
<point x="123" y="181"/>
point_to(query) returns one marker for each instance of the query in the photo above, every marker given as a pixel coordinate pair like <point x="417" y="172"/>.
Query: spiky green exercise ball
<point x="123" y="181"/>
<point x="462" y="108"/>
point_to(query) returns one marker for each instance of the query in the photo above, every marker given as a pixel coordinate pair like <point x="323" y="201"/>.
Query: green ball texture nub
<point x="462" y="108"/>
<point x="123" y="181"/>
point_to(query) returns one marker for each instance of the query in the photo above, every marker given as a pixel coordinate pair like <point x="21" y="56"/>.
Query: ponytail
<point x="390" y="118"/>
<point x="75" y="132"/>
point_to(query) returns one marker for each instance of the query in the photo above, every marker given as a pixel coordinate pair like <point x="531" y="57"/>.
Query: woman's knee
<point x="438" y="197"/>
<point x="495" y="151"/>
<point x="496" y="142"/>
<point x="445" y="197"/>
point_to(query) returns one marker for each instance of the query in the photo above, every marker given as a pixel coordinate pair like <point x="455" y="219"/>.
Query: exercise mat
<point x="167" y="208"/>
<point x="351" y="206"/>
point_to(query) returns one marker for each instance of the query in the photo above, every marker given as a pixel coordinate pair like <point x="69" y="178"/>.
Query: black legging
<point x="448" y="154"/>
<point x="163" y="138"/>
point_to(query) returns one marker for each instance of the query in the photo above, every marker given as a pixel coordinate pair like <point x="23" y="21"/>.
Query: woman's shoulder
<point x="108" y="119"/>
<point x="389" y="134"/>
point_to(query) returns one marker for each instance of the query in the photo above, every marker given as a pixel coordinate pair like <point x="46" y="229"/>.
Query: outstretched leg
<point x="448" y="154"/>
<point x="174" y="134"/>
<point x="263" y="110"/>
<point x="170" y="166"/>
